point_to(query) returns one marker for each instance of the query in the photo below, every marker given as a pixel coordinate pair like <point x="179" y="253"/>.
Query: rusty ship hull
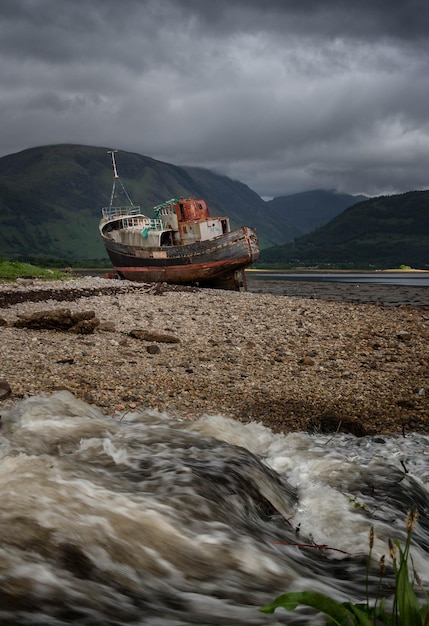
<point x="215" y="263"/>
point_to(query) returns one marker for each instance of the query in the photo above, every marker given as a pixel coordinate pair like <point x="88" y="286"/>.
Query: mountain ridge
<point x="382" y="232"/>
<point x="311" y="209"/>
<point x="51" y="199"/>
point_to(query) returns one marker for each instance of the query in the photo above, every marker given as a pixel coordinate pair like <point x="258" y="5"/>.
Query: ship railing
<point x="110" y="212"/>
<point x="142" y="222"/>
<point x="132" y="218"/>
<point x="156" y="224"/>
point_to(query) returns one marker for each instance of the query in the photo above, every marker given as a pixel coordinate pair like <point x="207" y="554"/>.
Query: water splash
<point x="146" y="519"/>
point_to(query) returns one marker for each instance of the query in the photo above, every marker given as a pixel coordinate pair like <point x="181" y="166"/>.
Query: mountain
<point x="51" y="199"/>
<point x="242" y="205"/>
<point x="387" y="231"/>
<point x="308" y="210"/>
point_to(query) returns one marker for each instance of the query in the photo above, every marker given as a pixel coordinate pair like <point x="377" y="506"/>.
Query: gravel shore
<point x="292" y="363"/>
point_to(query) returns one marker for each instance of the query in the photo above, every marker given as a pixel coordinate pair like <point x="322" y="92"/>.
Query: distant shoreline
<point x="264" y="281"/>
<point x="332" y="271"/>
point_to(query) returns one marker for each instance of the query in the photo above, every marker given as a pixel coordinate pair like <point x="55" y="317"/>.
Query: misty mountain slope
<point x="387" y="231"/>
<point x="235" y="198"/>
<point x="310" y="209"/>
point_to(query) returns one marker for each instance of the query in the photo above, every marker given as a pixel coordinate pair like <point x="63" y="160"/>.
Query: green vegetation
<point x="309" y="210"/>
<point x="11" y="270"/>
<point x="405" y="609"/>
<point x="51" y="199"/>
<point x="55" y="262"/>
<point x="380" y="233"/>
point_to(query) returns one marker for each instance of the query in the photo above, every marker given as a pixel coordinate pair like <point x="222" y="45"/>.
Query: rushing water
<point x="145" y="519"/>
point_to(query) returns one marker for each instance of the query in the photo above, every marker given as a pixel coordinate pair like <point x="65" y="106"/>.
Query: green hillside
<point x="387" y="231"/>
<point x="51" y="199"/>
<point x="309" y="210"/>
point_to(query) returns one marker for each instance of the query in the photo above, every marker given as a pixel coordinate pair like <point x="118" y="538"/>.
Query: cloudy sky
<point x="284" y="95"/>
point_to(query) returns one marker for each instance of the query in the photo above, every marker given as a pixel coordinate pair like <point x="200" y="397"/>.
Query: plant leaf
<point x="340" y="614"/>
<point x="408" y="604"/>
<point x="424" y="614"/>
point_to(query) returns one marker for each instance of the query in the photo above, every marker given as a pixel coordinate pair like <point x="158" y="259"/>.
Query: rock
<point x="82" y="322"/>
<point x="5" y="390"/>
<point x="82" y="315"/>
<point x="403" y="335"/>
<point x="153" y="349"/>
<point x="306" y="360"/>
<point x="85" y="327"/>
<point x="150" y="335"/>
<point x="106" y="327"/>
<point x="3" y="322"/>
<point x="24" y="281"/>
<point x="59" y="319"/>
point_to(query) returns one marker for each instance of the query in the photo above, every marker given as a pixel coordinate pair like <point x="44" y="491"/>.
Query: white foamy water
<point x="144" y="519"/>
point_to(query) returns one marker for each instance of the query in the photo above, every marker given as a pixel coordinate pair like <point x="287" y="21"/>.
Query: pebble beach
<point x="300" y="362"/>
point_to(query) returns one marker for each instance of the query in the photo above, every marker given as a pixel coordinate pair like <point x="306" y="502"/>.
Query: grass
<point x="11" y="270"/>
<point x="405" y="609"/>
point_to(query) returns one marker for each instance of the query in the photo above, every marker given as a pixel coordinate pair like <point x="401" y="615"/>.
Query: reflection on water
<point x="145" y="519"/>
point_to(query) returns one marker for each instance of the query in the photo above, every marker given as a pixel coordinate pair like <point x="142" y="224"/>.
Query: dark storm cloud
<point x="364" y="20"/>
<point x="282" y="95"/>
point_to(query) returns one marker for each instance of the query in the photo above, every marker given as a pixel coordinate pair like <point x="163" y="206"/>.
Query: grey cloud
<point x="283" y="95"/>
<point x="365" y="19"/>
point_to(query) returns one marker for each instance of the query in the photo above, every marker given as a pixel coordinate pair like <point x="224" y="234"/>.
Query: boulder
<point x="82" y="322"/>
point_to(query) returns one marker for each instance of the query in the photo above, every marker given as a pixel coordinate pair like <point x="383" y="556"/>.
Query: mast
<point x="115" y="171"/>
<point x="116" y="179"/>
